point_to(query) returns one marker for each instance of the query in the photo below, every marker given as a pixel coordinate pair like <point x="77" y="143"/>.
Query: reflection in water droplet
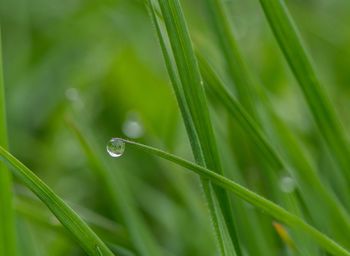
<point x="287" y="184"/>
<point x="115" y="147"/>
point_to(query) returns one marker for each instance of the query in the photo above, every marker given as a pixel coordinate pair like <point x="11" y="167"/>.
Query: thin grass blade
<point x="191" y="96"/>
<point x="227" y="42"/>
<point x="309" y="183"/>
<point x="121" y="198"/>
<point x="7" y="226"/>
<point x="80" y="231"/>
<point x="258" y="201"/>
<point x="322" y="110"/>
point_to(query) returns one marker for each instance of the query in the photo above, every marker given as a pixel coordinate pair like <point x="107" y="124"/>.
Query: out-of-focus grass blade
<point x="111" y="231"/>
<point x="33" y="211"/>
<point x="120" y="250"/>
<point x="283" y="233"/>
<point x="258" y="201"/>
<point x="237" y="67"/>
<point x="26" y="244"/>
<point x="305" y="175"/>
<point x="121" y="197"/>
<point x="328" y="213"/>
<point x="193" y="105"/>
<point x="7" y="227"/>
<point x="255" y="231"/>
<point x="86" y="238"/>
<point x="322" y="110"/>
<point x="248" y="124"/>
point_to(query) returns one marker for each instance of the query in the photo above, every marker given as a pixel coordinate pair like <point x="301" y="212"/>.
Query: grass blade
<point x="238" y="112"/>
<point x="176" y="85"/>
<point x="34" y="211"/>
<point x="258" y="201"/>
<point x="7" y="226"/>
<point x="191" y="97"/>
<point x="294" y="51"/>
<point x="309" y="183"/>
<point x="237" y="67"/>
<point x="86" y="238"/>
<point x="121" y="197"/>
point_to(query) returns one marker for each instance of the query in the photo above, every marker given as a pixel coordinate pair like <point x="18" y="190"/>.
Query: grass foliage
<point x="242" y="95"/>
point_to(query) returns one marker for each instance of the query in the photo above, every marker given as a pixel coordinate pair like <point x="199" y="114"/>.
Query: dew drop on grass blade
<point x="115" y="147"/>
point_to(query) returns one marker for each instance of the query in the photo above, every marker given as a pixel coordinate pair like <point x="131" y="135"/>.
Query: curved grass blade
<point x="82" y="233"/>
<point x="294" y="51"/>
<point x="193" y="105"/>
<point x="121" y="198"/>
<point x="7" y="226"/>
<point x="311" y="186"/>
<point x="258" y="201"/>
<point x="111" y="231"/>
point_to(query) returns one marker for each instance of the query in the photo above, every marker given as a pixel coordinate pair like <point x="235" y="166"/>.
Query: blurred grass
<point x="7" y="226"/>
<point x="77" y="228"/>
<point x="102" y="62"/>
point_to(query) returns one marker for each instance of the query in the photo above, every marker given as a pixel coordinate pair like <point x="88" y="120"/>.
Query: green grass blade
<point x="236" y="65"/>
<point x="306" y="177"/>
<point x="327" y="121"/>
<point x="86" y="238"/>
<point x="330" y="212"/>
<point x="190" y="128"/>
<point x="121" y="197"/>
<point x="32" y="210"/>
<point x="176" y="85"/>
<point x="193" y="99"/>
<point x="258" y="201"/>
<point x="248" y="124"/>
<point x="190" y="79"/>
<point x="7" y="226"/>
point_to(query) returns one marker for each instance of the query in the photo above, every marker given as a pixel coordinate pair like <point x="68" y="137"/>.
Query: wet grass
<point x="215" y="87"/>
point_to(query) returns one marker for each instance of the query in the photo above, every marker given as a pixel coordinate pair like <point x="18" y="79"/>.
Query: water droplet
<point x="287" y="184"/>
<point x="115" y="147"/>
<point x="202" y="83"/>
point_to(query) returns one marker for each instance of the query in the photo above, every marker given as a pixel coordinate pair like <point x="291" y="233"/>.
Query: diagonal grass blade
<point x="82" y="233"/>
<point x="322" y="110"/>
<point x="258" y="201"/>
